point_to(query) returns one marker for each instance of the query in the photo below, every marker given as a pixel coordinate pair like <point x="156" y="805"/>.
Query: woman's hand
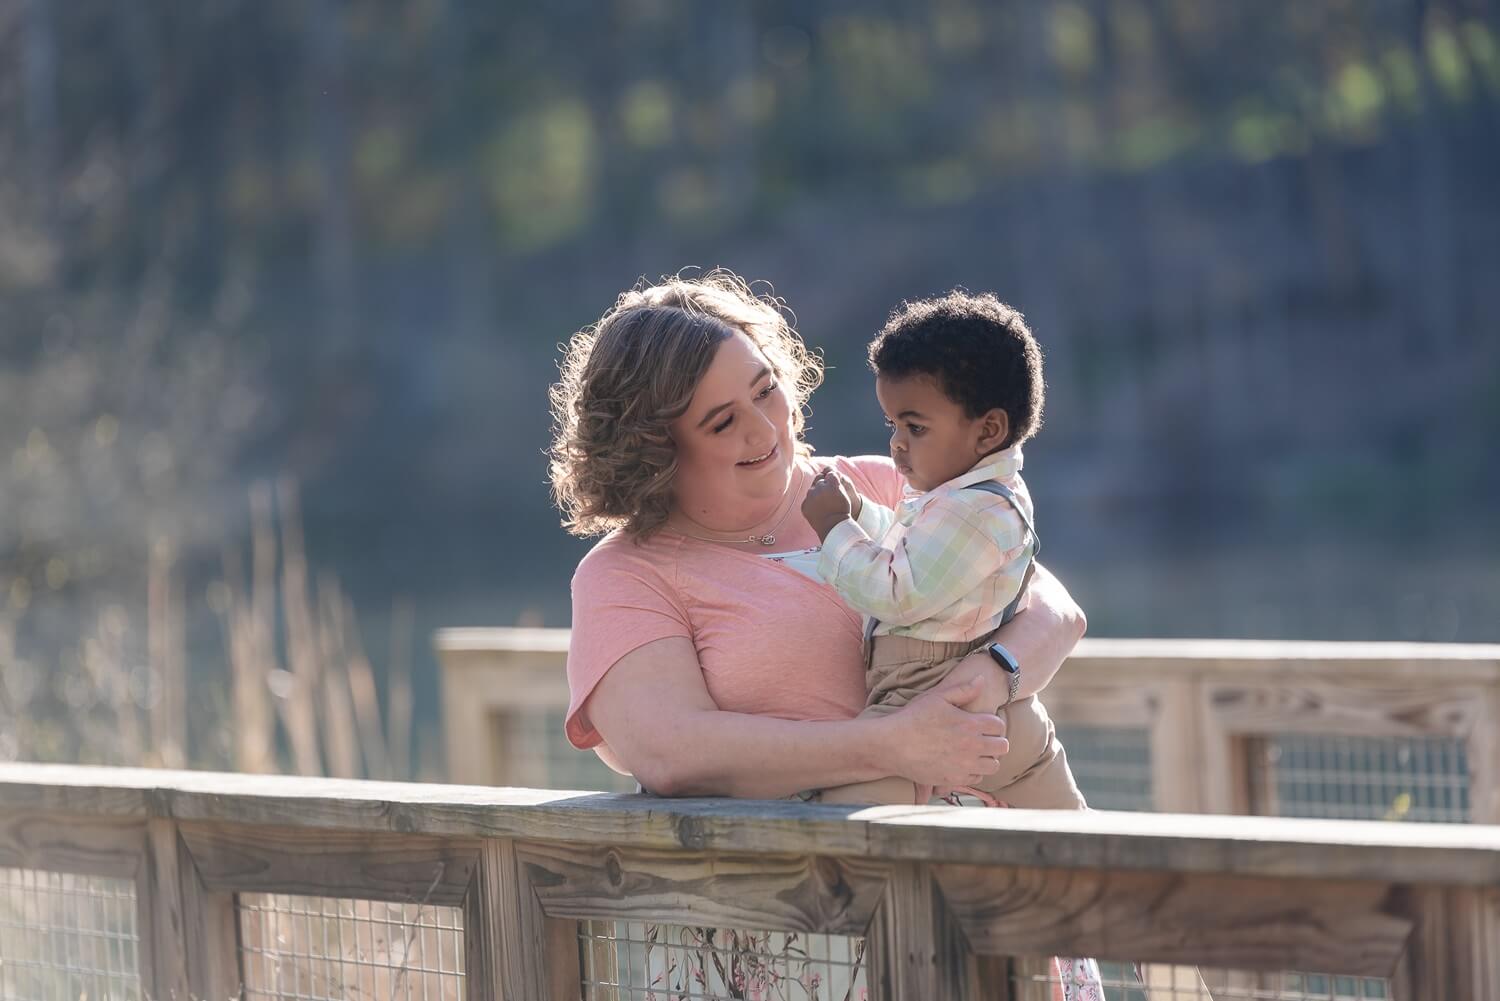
<point x="1040" y="637"/>
<point x="933" y="742"/>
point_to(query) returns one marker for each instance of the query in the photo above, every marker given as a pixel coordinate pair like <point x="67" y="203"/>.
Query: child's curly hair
<point x="979" y="350"/>
<point x="627" y="377"/>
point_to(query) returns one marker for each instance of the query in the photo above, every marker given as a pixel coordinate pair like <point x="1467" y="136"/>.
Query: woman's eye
<point x="770" y="388"/>
<point x="720" y="427"/>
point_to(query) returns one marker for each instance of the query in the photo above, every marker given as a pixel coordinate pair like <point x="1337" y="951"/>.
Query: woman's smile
<point x="760" y="460"/>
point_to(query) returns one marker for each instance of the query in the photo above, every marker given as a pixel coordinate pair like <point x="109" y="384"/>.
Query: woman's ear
<point x="994" y="428"/>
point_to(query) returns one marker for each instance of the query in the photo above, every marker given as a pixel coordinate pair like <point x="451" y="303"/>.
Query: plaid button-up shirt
<point x="947" y="562"/>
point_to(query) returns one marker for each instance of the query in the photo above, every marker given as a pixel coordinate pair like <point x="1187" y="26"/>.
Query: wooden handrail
<point x="1460" y="855"/>
<point x="1207" y="706"/>
<point x="944" y="895"/>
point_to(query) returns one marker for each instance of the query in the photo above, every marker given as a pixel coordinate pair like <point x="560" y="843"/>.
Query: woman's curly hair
<point x="626" y="378"/>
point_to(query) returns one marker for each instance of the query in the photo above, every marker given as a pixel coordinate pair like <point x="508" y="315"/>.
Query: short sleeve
<point x="621" y="602"/>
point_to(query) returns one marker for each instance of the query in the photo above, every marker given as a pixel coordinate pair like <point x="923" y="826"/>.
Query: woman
<point x="697" y="665"/>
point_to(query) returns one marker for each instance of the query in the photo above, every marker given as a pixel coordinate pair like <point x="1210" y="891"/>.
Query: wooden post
<point x="1175" y="767"/>
<point x="1483" y="746"/>
<point x="1222" y="758"/>
<point x="564" y="972"/>
<point x="1451" y="953"/>
<point x="190" y="943"/>
<point x="917" y="951"/>
<point x="506" y="932"/>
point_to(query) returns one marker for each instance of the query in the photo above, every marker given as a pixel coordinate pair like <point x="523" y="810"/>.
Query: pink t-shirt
<point x="770" y="640"/>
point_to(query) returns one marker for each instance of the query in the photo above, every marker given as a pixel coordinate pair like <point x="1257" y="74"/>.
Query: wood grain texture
<point x="163" y="929"/>
<point x="1328" y="708"/>
<point x="192" y="938"/>
<point x="770" y="892"/>
<point x="95" y="846"/>
<point x="508" y="938"/>
<point x="560" y="946"/>
<point x="917" y="950"/>
<point x="1463" y="855"/>
<point x="1453" y="951"/>
<point x="1244" y="924"/>
<point x="398" y="868"/>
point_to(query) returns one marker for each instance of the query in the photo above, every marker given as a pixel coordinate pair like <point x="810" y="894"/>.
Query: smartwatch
<point x="1010" y="666"/>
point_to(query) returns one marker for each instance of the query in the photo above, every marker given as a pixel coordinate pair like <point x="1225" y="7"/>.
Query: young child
<point x="960" y="381"/>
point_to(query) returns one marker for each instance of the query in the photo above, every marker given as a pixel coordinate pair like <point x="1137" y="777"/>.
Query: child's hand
<point x="829" y="500"/>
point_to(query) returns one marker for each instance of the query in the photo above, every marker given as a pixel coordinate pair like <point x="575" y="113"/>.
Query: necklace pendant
<point x="765" y="540"/>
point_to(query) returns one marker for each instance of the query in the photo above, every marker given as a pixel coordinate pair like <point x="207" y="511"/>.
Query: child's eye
<point x="915" y="429"/>
<point x="888" y="423"/>
<point x="770" y="388"/>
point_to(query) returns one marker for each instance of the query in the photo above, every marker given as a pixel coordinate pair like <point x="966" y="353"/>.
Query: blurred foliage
<point x="211" y="118"/>
<point x="341" y="238"/>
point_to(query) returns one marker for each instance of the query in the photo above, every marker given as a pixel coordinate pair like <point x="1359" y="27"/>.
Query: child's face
<point x="932" y="439"/>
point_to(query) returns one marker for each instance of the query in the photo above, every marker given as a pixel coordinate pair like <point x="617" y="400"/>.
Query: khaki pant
<point x="1034" y="775"/>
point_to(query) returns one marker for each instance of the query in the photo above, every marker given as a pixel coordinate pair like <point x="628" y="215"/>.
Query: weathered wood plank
<point x="212" y="936"/>
<point x="1176" y="785"/>
<point x="916" y="949"/>
<point x="193" y="940"/>
<point x="399" y="868"/>
<point x="773" y="892"/>
<point x="1230" y="922"/>
<point x="564" y="974"/>
<point x="1332" y="708"/>
<point x="163" y="929"/>
<point x="470" y="753"/>
<point x="507" y="934"/>
<point x="95" y="846"/>
<point x="1483" y="745"/>
<point x="1224" y="655"/>
<point x="1217" y="760"/>
<point x="1454" y="945"/>
<point x="1106" y="705"/>
<point x="1465" y="855"/>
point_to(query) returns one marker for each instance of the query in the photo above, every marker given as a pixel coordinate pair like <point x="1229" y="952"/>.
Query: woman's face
<point x="734" y="443"/>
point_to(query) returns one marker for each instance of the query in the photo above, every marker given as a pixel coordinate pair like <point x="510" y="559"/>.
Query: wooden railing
<point x="1214" y="724"/>
<point x="952" y="903"/>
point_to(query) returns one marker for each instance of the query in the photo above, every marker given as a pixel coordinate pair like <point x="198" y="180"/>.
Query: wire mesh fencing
<point x="64" y="937"/>
<point x="1112" y="765"/>
<point x="1041" y="980"/>
<point x="632" y="961"/>
<point x="1361" y="778"/>
<point x="296" y="948"/>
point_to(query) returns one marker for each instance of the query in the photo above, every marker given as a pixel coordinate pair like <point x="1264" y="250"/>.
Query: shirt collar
<point x="996" y="466"/>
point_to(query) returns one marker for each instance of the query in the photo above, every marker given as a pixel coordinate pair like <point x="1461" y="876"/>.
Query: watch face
<point x="1003" y="657"/>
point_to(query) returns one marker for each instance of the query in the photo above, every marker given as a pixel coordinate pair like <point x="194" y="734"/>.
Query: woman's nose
<point x="761" y="431"/>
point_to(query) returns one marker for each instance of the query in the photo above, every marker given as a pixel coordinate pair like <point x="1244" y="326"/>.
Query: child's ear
<point x="994" y="428"/>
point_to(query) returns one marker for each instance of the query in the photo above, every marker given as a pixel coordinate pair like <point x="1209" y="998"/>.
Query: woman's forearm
<point x="715" y="753"/>
<point x="662" y="726"/>
<point x="1040" y="638"/>
<point x="1044" y="635"/>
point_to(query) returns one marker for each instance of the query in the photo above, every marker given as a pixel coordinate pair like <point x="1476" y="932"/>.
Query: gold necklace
<point x="769" y="538"/>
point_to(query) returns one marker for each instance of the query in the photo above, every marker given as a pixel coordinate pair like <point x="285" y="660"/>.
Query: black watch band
<point x="1010" y="666"/>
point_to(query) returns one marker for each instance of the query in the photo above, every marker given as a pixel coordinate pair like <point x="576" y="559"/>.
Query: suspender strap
<point x="1001" y="490"/>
